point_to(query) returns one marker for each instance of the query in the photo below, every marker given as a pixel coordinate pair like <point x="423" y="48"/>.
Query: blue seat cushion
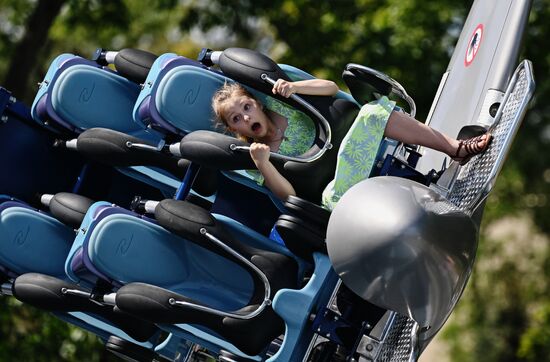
<point x="32" y="241"/>
<point x="126" y="248"/>
<point x="90" y="97"/>
<point x="184" y="97"/>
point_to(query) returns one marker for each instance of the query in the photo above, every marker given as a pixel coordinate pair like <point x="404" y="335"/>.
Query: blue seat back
<point x="78" y="94"/>
<point x="177" y="95"/>
<point x="38" y="108"/>
<point x="122" y="247"/>
<point x="32" y="241"/>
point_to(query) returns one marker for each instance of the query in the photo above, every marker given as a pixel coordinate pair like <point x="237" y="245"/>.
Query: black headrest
<point x="70" y="208"/>
<point x="134" y="64"/>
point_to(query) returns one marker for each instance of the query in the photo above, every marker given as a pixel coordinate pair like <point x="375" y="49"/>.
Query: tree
<point x="503" y="314"/>
<point x="379" y="34"/>
<point x="23" y="59"/>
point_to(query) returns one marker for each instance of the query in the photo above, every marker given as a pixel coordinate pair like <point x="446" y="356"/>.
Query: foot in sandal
<point x="471" y="147"/>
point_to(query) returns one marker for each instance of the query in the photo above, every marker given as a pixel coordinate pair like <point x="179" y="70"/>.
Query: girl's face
<point x="245" y="117"/>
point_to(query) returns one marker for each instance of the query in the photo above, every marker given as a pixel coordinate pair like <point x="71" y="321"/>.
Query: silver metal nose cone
<point x="402" y="246"/>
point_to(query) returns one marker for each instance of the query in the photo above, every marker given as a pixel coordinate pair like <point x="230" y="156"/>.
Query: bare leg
<point x="404" y="128"/>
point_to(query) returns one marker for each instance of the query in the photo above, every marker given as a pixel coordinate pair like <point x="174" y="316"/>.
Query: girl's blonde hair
<point x="226" y="92"/>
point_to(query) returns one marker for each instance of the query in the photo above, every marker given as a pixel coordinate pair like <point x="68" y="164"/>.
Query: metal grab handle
<point x="162" y="147"/>
<point x="397" y="88"/>
<point x="266" y="302"/>
<point x="102" y="300"/>
<point x="145" y="147"/>
<point x="324" y="122"/>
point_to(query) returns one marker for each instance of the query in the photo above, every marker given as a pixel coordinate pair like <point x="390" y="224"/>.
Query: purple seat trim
<point x="155" y="118"/>
<point x="8" y="204"/>
<point x="49" y="112"/>
<point x="100" y="213"/>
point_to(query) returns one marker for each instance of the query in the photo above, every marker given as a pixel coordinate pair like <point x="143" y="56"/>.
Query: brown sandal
<point x="472" y="148"/>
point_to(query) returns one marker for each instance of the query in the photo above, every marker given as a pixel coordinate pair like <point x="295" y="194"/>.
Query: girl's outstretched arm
<point x="314" y="87"/>
<point x="272" y="178"/>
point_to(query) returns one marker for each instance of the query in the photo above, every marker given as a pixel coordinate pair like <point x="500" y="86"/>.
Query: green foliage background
<point x="504" y="314"/>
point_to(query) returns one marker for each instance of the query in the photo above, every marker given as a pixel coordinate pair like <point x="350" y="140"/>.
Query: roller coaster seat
<point x="36" y="243"/>
<point x="140" y="237"/>
<point x="32" y="240"/>
<point x="152" y="255"/>
<point x="150" y="301"/>
<point x="215" y="150"/>
<point x="77" y="94"/>
<point x="120" y="247"/>
<point x="177" y="93"/>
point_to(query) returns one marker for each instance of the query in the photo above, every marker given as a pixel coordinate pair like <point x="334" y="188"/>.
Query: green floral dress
<point x="299" y="134"/>
<point x="358" y="150"/>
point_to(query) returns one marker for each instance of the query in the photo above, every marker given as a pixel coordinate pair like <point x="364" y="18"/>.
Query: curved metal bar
<point x="397" y="88"/>
<point x="141" y="146"/>
<point x="72" y="144"/>
<point x="324" y="122"/>
<point x="266" y="302"/>
<point x="109" y="299"/>
<point x="76" y="292"/>
<point x="102" y="300"/>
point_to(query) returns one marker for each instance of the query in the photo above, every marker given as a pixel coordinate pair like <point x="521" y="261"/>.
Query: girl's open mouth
<point x="256" y="127"/>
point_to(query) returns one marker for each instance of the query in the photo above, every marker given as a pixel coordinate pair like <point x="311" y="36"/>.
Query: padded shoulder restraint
<point x="134" y="64"/>
<point x="300" y="238"/>
<point x="308" y="211"/>
<point x="44" y="291"/>
<point x="213" y="149"/>
<point x="70" y="208"/>
<point x="109" y="147"/>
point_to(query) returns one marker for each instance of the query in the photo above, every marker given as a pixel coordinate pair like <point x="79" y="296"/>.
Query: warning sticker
<point x="473" y="45"/>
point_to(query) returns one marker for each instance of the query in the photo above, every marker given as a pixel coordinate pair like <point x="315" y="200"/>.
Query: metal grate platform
<point x="399" y="343"/>
<point x="476" y="179"/>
